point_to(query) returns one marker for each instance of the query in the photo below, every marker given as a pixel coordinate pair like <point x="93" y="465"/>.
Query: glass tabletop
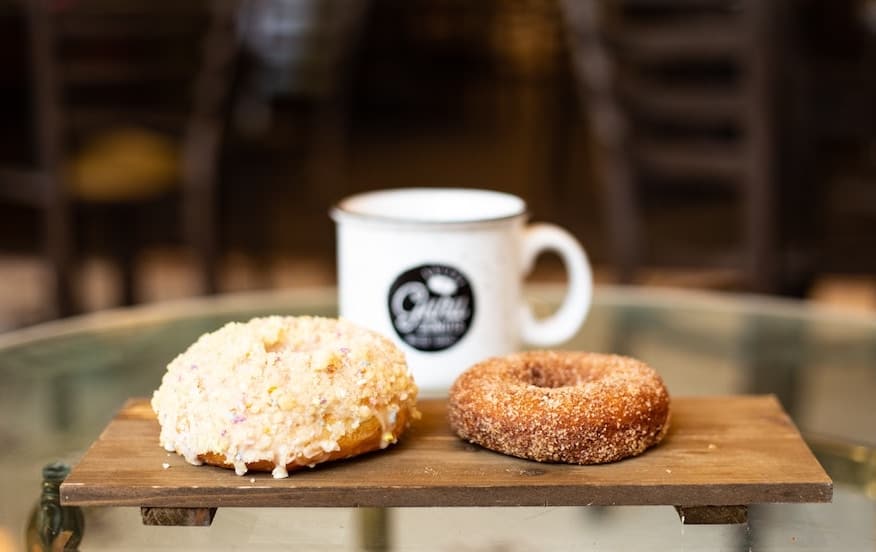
<point x="63" y="381"/>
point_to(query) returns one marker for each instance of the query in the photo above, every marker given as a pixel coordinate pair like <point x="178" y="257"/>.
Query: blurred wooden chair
<point x="297" y="81"/>
<point x="836" y="83"/>
<point x="289" y="145"/>
<point x="679" y="95"/>
<point x="128" y="108"/>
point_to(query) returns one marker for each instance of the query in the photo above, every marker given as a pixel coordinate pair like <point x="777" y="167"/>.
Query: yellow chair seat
<point x="127" y="164"/>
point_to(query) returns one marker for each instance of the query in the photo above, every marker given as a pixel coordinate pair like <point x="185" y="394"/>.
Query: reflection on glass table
<point x="64" y="381"/>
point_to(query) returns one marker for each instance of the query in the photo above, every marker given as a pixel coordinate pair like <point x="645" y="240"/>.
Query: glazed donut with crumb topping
<point x="572" y="407"/>
<point x="280" y="393"/>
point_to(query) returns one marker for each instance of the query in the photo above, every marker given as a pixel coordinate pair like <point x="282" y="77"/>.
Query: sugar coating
<point x="552" y="406"/>
<point x="282" y="390"/>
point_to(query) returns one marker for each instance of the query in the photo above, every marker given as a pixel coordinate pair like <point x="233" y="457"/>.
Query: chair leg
<point x="204" y="137"/>
<point x="759" y="201"/>
<point x="624" y="219"/>
<point x="596" y="73"/>
<point x="125" y="229"/>
<point x="58" y="243"/>
<point x="200" y="227"/>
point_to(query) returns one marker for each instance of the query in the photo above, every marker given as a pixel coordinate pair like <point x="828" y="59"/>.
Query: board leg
<point x="712" y="515"/>
<point x="188" y="517"/>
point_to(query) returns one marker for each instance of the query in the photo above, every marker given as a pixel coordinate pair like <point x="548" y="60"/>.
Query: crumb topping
<point x="552" y="406"/>
<point x="281" y="389"/>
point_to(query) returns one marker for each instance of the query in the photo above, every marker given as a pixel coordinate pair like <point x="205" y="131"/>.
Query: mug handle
<point x="571" y="314"/>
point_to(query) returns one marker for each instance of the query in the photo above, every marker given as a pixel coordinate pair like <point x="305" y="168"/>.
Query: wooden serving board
<point x="720" y="454"/>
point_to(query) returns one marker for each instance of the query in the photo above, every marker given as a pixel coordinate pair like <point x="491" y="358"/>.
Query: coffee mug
<point x="440" y="271"/>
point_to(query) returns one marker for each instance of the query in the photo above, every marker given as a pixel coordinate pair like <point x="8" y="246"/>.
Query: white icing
<point x="283" y="389"/>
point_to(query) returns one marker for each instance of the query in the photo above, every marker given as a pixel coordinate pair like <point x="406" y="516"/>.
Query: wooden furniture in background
<point x="679" y="95"/>
<point x="128" y="107"/>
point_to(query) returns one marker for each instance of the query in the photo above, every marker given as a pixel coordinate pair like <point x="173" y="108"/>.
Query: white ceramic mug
<point x="440" y="270"/>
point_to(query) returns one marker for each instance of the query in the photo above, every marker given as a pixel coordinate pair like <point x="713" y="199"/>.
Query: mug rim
<point x="343" y="210"/>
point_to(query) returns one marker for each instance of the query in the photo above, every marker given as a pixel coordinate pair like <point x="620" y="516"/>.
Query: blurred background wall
<point x="149" y="152"/>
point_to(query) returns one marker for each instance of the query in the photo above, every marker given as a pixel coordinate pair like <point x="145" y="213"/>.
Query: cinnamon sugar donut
<point x="280" y="393"/>
<point x="572" y="407"/>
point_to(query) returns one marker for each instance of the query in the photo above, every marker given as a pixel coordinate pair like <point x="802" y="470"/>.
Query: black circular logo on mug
<point x="431" y="306"/>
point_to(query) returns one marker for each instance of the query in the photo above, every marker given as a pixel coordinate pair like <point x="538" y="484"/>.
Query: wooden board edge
<point x="69" y="490"/>
<point x="452" y="496"/>
<point x="808" y="446"/>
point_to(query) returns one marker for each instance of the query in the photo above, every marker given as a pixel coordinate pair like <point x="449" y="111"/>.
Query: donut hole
<point x="554" y="377"/>
<point x="539" y="376"/>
